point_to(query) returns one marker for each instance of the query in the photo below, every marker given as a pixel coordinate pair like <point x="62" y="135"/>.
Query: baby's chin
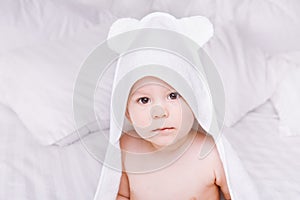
<point x="167" y="143"/>
<point x="162" y="144"/>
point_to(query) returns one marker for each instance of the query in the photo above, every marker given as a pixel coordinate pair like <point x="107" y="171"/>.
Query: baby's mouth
<point x="165" y="128"/>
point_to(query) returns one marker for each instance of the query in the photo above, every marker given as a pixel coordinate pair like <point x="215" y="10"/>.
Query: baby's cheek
<point x="141" y="118"/>
<point x="187" y="114"/>
<point x="179" y="108"/>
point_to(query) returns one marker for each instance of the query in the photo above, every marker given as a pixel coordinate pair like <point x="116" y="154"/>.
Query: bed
<point x="42" y="155"/>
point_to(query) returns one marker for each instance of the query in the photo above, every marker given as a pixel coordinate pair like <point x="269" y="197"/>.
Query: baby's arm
<point x="123" y="193"/>
<point x="221" y="179"/>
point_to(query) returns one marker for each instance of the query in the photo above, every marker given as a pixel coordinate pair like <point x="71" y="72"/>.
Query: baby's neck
<point x="179" y="145"/>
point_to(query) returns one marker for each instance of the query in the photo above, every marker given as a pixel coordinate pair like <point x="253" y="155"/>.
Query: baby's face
<point x="158" y="113"/>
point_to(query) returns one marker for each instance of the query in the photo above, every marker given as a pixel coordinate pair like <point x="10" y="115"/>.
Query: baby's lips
<point x="163" y="128"/>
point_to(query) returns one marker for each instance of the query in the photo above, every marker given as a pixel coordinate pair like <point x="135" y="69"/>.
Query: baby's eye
<point x="143" y="100"/>
<point x="174" y="95"/>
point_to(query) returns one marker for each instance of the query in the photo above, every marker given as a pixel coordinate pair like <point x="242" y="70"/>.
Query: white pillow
<point x="272" y="25"/>
<point x="287" y="97"/>
<point x="243" y="70"/>
<point x="24" y="23"/>
<point x="182" y="8"/>
<point x="37" y="83"/>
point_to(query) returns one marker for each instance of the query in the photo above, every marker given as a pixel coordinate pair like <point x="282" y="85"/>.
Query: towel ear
<point x="197" y="28"/>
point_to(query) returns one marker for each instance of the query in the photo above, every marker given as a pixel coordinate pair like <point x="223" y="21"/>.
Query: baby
<point x="153" y="102"/>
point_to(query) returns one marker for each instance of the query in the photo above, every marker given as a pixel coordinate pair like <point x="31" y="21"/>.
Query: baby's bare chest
<point x="179" y="181"/>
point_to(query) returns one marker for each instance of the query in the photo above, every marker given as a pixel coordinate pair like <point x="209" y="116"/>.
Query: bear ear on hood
<point x="197" y="28"/>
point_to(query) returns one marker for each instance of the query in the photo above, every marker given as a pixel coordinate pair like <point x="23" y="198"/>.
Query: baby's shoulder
<point x="205" y="141"/>
<point x="208" y="148"/>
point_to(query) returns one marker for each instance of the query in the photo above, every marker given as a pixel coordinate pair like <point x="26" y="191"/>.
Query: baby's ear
<point x="128" y="116"/>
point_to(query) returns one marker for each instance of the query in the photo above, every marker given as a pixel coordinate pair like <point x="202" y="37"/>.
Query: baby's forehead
<point x="150" y="80"/>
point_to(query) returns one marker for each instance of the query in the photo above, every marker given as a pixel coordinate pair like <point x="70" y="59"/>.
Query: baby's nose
<point x="159" y="112"/>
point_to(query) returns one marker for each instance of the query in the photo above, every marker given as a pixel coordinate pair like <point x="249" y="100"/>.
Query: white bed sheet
<point x="271" y="160"/>
<point x="34" y="172"/>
